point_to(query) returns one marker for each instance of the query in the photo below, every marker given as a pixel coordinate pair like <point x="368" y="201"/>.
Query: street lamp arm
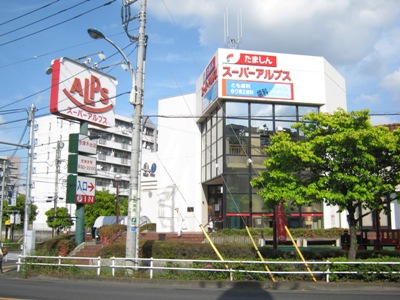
<point x="123" y="55"/>
<point x="96" y="34"/>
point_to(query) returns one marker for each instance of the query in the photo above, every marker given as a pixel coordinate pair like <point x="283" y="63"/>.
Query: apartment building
<point x="10" y="170"/>
<point x="50" y="159"/>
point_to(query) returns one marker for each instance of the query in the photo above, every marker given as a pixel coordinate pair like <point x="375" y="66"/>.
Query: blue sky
<point x="359" y="38"/>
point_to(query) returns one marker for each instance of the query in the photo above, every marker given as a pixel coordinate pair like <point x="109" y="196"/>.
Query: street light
<point x="136" y="99"/>
<point x="96" y="34"/>
<point x="117" y="178"/>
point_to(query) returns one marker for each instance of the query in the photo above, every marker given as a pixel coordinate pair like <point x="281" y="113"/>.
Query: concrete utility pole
<point x="3" y="186"/>
<point x="60" y="145"/>
<point x="136" y="99"/>
<point x="31" y="122"/>
<point x="132" y="236"/>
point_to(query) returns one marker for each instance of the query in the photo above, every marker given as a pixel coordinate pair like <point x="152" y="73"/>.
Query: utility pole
<point x="132" y="236"/>
<point x="3" y="186"/>
<point x="57" y="163"/>
<point x="31" y="122"/>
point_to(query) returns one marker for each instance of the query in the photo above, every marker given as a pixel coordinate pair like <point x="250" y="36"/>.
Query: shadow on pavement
<point x="246" y="290"/>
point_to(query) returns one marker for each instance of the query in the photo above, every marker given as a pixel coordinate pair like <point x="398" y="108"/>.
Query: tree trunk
<point x="351" y="255"/>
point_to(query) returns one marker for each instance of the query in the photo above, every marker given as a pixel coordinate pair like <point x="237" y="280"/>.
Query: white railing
<point x="153" y="264"/>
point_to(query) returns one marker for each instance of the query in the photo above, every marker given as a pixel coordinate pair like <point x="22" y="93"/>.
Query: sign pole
<point x="80" y="208"/>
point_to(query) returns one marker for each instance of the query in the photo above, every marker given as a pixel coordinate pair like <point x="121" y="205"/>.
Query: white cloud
<point x="367" y="99"/>
<point x="392" y="83"/>
<point x="341" y="30"/>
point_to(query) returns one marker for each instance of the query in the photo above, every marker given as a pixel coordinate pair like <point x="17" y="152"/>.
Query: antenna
<point x="233" y="43"/>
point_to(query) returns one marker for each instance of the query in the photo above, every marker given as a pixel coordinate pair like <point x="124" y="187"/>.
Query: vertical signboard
<point x="280" y="222"/>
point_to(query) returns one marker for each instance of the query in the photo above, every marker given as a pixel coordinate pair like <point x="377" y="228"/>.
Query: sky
<point x="360" y="38"/>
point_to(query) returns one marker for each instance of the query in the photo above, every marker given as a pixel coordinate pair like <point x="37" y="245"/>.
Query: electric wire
<point x="57" y="24"/>
<point x="42" y="19"/>
<point x="28" y="13"/>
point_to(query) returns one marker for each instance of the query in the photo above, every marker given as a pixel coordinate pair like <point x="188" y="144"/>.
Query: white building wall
<point x="179" y="181"/>
<point x="48" y="131"/>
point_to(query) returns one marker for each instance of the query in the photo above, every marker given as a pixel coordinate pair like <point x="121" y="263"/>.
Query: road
<point x="57" y="289"/>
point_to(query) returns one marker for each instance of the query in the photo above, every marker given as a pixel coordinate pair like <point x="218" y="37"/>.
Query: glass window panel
<point x="312" y="208"/>
<point x="208" y="172"/>
<point x="237" y="203"/>
<point x="214" y="151"/>
<point x="238" y="183"/>
<point x="285" y="126"/>
<point x="261" y="111"/>
<point x="258" y="164"/>
<point x="303" y="110"/>
<point x="220" y="147"/>
<point x="236" y="109"/>
<point x="214" y="170"/>
<point x="259" y="205"/>
<point x="259" y="144"/>
<point x="214" y="134"/>
<point x="208" y="139"/>
<point x="236" y="163"/>
<point x="285" y="112"/>
<point x="220" y="126"/>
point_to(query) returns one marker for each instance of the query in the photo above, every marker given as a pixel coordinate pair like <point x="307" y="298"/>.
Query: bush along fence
<point x="338" y="270"/>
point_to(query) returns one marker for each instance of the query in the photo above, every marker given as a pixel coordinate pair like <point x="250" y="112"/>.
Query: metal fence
<point x="323" y="269"/>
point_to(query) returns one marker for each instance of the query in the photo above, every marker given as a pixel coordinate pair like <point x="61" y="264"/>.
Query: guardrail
<point x="322" y="268"/>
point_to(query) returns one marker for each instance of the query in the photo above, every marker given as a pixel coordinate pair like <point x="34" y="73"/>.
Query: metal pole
<point x="31" y="121"/>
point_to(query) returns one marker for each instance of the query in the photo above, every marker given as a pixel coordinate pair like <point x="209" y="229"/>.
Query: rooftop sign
<point x="264" y="77"/>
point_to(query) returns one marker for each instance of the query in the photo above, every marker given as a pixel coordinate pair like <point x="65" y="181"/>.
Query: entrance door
<point x="215" y="207"/>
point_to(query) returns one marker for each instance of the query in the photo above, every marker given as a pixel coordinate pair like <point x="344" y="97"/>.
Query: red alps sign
<point x="82" y="93"/>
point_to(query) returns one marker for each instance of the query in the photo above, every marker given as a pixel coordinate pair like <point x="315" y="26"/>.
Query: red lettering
<point x="104" y="96"/>
<point x="95" y="86"/>
<point x="86" y="98"/>
<point x="76" y="87"/>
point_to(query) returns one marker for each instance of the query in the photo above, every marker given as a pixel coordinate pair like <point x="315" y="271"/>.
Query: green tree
<point x="104" y="206"/>
<point x="62" y="219"/>
<point x="342" y="160"/>
<point x="21" y="208"/>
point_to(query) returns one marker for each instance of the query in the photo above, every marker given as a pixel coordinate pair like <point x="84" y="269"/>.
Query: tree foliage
<point x="342" y="160"/>
<point x="20" y="207"/>
<point x="60" y="220"/>
<point x="104" y="206"/>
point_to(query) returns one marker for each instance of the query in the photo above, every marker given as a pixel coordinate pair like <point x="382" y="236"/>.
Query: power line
<point x="57" y="24"/>
<point x="28" y="13"/>
<point x="42" y="19"/>
<point x="53" y="52"/>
